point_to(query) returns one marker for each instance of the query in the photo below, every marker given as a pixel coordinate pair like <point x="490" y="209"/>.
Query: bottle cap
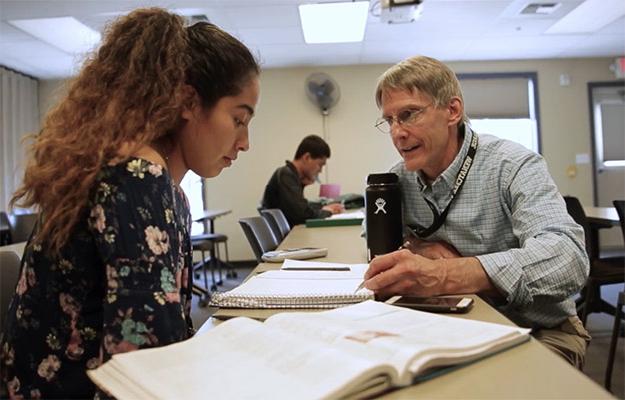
<point x="378" y="179"/>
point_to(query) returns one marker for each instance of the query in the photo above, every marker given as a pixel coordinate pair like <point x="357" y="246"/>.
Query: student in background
<point x="107" y="269"/>
<point x="285" y="189"/>
<point x="505" y="234"/>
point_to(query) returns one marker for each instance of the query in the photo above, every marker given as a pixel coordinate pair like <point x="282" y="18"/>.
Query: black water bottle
<point x="384" y="214"/>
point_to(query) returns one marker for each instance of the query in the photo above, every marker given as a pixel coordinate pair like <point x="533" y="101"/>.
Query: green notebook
<point x="323" y="222"/>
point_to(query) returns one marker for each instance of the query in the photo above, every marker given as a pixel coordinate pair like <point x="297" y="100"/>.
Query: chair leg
<point x="231" y="273"/>
<point x="218" y="261"/>
<point x="204" y="271"/>
<point x="215" y="282"/>
<point x="615" y="334"/>
<point x="591" y="296"/>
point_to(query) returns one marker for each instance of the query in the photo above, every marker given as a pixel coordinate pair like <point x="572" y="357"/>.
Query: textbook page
<point x="243" y="358"/>
<point x="281" y="283"/>
<point x="412" y="341"/>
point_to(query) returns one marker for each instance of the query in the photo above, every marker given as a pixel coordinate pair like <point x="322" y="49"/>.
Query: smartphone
<point x="436" y="304"/>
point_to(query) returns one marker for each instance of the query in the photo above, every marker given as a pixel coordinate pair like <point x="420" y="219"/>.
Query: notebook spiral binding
<point x="324" y="301"/>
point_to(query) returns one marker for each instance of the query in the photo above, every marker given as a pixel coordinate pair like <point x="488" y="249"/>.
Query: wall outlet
<point x="582" y="158"/>
<point x="565" y="79"/>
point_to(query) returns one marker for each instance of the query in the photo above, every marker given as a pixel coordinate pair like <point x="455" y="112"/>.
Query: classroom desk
<point x="528" y="371"/>
<point x="207" y="217"/>
<point x="599" y="218"/>
<point x="18" y="248"/>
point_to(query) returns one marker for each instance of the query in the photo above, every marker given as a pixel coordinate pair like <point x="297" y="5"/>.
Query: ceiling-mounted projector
<point x="400" y="11"/>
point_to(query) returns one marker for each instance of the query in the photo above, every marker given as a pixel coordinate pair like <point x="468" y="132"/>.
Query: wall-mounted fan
<point x="323" y="91"/>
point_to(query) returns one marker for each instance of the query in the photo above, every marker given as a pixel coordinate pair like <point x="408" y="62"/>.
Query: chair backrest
<point x="273" y="225"/>
<point x="277" y="221"/>
<point x="5" y="229"/>
<point x="620" y="209"/>
<point x="259" y="235"/>
<point x="9" y="272"/>
<point x="576" y="210"/>
<point x="22" y="226"/>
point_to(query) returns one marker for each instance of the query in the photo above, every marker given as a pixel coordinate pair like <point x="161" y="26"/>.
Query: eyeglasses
<point x="406" y="117"/>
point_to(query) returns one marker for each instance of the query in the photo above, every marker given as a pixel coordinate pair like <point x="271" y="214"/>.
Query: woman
<point x="107" y="269"/>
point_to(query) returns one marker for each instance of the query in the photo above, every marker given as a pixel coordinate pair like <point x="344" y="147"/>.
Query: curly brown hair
<point x="131" y="92"/>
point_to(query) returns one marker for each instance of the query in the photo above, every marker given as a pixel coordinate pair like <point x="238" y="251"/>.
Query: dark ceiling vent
<point x="197" y="18"/>
<point x="540" y="8"/>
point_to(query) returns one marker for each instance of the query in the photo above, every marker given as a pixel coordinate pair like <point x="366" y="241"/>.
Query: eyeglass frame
<point x="414" y="115"/>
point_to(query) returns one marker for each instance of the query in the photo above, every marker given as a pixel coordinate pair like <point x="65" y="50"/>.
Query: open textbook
<point x="300" y="285"/>
<point x="355" y="351"/>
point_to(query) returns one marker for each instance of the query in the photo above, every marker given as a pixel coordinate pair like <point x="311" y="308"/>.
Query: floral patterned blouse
<point x="122" y="282"/>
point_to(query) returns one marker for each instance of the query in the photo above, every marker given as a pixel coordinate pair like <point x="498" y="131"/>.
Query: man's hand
<point x="432" y="250"/>
<point x="404" y="273"/>
<point x="334" y="208"/>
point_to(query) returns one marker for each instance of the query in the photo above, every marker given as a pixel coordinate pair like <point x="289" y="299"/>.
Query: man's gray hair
<point x="425" y="74"/>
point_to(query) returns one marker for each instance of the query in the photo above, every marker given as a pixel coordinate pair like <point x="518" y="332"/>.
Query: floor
<point x="599" y="326"/>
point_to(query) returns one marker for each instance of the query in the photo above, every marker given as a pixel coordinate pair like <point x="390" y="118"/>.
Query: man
<point x="489" y="217"/>
<point x="285" y="189"/>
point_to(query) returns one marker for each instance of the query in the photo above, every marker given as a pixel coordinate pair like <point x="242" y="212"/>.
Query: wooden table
<point x="528" y="371"/>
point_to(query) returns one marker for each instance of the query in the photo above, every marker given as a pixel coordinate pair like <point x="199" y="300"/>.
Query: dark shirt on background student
<point x="285" y="189"/>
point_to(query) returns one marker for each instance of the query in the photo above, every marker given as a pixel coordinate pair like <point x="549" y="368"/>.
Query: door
<point x="608" y="122"/>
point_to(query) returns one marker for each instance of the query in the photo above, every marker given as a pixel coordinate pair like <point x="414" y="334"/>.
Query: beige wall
<point x="285" y="115"/>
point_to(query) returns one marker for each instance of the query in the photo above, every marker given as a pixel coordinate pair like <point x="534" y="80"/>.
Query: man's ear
<point x="191" y="102"/>
<point x="456" y="111"/>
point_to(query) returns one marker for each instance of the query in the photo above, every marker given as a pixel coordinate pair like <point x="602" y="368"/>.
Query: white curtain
<point x="19" y="116"/>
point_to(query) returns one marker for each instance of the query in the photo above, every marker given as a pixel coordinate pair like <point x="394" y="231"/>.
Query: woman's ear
<point x="191" y="102"/>
<point x="456" y="111"/>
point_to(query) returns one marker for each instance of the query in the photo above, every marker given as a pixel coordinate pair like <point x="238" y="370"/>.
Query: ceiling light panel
<point x="334" y="22"/>
<point x="65" y="33"/>
<point x="590" y="16"/>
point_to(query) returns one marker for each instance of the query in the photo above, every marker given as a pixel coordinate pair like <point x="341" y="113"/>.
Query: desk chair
<point x="277" y="222"/>
<point x="616" y="328"/>
<point x="21" y="226"/>
<point x="603" y="271"/>
<point x="204" y="246"/>
<point x="9" y="272"/>
<point x="259" y="235"/>
<point x="5" y="229"/>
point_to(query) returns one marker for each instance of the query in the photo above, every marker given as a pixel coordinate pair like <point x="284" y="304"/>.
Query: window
<point x="504" y="105"/>
<point x="194" y="189"/>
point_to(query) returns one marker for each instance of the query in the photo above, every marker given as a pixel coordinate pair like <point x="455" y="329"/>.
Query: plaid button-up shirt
<point x="510" y="215"/>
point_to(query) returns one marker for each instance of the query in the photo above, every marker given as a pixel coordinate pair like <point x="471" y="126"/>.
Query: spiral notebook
<point x="304" y="288"/>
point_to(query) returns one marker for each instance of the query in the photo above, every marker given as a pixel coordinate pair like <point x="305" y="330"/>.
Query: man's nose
<point x="397" y="129"/>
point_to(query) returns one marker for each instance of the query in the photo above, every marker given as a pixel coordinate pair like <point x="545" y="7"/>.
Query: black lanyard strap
<point x="460" y="179"/>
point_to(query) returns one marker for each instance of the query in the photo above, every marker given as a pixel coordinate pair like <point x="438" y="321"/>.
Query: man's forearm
<point x="466" y="275"/>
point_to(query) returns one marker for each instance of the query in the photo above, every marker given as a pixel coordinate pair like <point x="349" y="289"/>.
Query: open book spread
<point x="305" y="285"/>
<point x="359" y="350"/>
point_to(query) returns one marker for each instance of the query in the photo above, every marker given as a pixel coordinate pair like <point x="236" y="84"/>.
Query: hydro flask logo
<point x="380" y="203"/>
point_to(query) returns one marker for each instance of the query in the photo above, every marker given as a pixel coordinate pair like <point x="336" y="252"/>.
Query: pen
<point x="316" y="269"/>
<point x="361" y="286"/>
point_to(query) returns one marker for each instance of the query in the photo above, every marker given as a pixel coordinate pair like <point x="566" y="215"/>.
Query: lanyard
<point x="439" y="219"/>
